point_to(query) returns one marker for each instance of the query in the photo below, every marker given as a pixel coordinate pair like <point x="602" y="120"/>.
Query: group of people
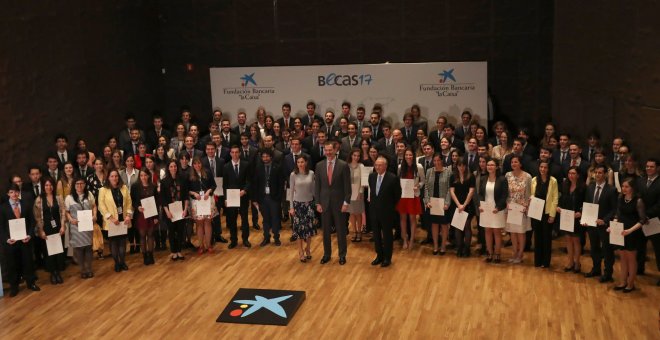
<point x="353" y="175"/>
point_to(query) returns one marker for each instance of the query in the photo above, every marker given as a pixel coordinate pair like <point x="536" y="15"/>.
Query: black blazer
<point x="382" y="206"/>
<point x="152" y="137"/>
<point x="231" y="181"/>
<point x="283" y="125"/>
<point x="78" y="172"/>
<point x="554" y="170"/>
<point x="259" y="183"/>
<point x="306" y="121"/>
<point x="315" y="152"/>
<point x="583" y="168"/>
<point x="526" y="163"/>
<point x="435" y="139"/>
<point x="650" y="195"/>
<point x="168" y="189"/>
<point x="607" y="203"/>
<point x="202" y="184"/>
<point x="7" y="213"/>
<point x="219" y="166"/>
<point x="234" y="139"/>
<point x="501" y="191"/>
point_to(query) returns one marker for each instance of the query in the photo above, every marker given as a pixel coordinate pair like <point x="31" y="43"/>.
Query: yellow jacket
<point x="552" y="198"/>
<point x="107" y="207"/>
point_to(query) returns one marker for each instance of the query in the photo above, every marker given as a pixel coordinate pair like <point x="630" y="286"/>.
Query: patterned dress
<point x="78" y="238"/>
<point x="519" y="192"/>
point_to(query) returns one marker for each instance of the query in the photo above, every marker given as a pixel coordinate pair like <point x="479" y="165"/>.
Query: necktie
<point x="17" y="210"/>
<point x="649" y="182"/>
<point x="191" y="154"/>
<point x="408" y="133"/>
<point x="573" y="162"/>
<point x="563" y="156"/>
<point x="52" y="174"/>
<point x="62" y="157"/>
<point x="330" y="168"/>
<point x="597" y="195"/>
<point x="212" y="163"/>
<point x="236" y="169"/>
<point x="245" y="153"/>
<point x="378" y="183"/>
<point x="428" y="165"/>
<point x="321" y="152"/>
<point x="471" y="160"/>
<point x="36" y="190"/>
<point x="591" y="154"/>
<point x="135" y="149"/>
<point x="387" y="142"/>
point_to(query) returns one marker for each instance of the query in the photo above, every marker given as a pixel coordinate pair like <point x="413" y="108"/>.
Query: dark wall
<point x="515" y="37"/>
<point x="74" y="67"/>
<point x="606" y="72"/>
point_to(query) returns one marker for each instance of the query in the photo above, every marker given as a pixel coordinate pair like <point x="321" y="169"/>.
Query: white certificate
<point x="535" y="210"/>
<point x="589" y="214"/>
<point x="85" y="221"/>
<point x="54" y="244"/>
<point x="17" y="229"/>
<point x="616" y="228"/>
<point x="515" y="214"/>
<point x="233" y="198"/>
<point x="203" y="206"/>
<point x="437" y="206"/>
<point x="355" y="191"/>
<point x="288" y="194"/>
<point x="617" y="184"/>
<point x="567" y="220"/>
<point x="366" y="171"/>
<point x="117" y="230"/>
<point x="218" y="190"/>
<point x="407" y="186"/>
<point x="488" y="219"/>
<point x="149" y="206"/>
<point x="652" y="228"/>
<point x="176" y="209"/>
<point x="459" y="219"/>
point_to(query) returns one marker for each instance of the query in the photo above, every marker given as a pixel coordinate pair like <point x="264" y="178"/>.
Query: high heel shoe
<point x="489" y="258"/>
<point x="436" y="252"/>
<point x="497" y="259"/>
<point x="354" y="239"/>
<point x="308" y="254"/>
<point x="302" y="257"/>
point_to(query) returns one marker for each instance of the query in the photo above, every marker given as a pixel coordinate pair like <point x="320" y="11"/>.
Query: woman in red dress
<point x="410" y="207"/>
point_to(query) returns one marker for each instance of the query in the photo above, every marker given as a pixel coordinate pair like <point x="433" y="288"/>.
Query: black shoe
<point x="131" y="250"/>
<point x="247" y="244"/>
<point x="117" y="268"/>
<point x="13" y="291"/>
<point x="53" y="279"/>
<point x="606" y="278"/>
<point x="232" y="245"/>
<point x="59" y="278"/>
<point x="385" y="263"/>
<point x="151" y="258"/>
<point x="628" y="290"/>
<point x="33" y="287"/>
<point x="443" y="252"/>
<point x="376" y="262"/>
<point x="222" y="239"/>
<point x="137" y="249"/>
<point x="342" y="260"/>
<point x="123" y="266"/>
<point x="145" y="259"/>
<point x="436" y="252"/>
<point x="592" y="274"/>
<point x="277" y="242"/>
<point x="325" y="260"/>
<point x="293" y="238"/>
<point x="263" y="243"/>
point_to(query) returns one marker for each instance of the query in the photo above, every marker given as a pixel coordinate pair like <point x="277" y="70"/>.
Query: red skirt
<point x="410" y="206"/>
<point x="145" y="224"/>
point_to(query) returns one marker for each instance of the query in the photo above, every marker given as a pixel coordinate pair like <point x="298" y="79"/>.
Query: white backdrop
<point x="446" y="88"/>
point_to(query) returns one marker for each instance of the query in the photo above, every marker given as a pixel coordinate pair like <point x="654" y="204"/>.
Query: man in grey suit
<point x="332" y="188"/>
<point x="351" y="141"/>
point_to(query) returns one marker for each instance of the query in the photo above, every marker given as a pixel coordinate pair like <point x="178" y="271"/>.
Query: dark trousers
<point x="365" y="195"/>
<point x="464" y="237"/>
<point x="176" y="233"/>
<point x="655" y="240"/>
<point x="641" y="256"/>
<point x="40" y="251"/>
<point x="232" y="221"/>
<point x="542" y="241"/>
<point x="383" y="239"/>
<point x="426" y="222"/>
<point x="118" y="248"/>
<point x="132" y="234"/>
<point x="271" y="214"/>
<point x="216" y="222"/>
<point x="332" y="216"/>
<point x="599" y="240"/>
<point x="19" y="262"/>
<point x="481" y="235"/>
<point x="83" y="256"/>
<point x="55" y="263"/>
<point x="160" y="232"/>
<point x="529" y="235"/>
<point x="255" y="214"/>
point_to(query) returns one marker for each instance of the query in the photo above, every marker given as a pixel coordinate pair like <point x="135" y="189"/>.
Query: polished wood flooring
<point x="419" y="297"/>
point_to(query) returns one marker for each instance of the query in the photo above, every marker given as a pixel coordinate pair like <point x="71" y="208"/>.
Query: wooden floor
<point x="419" y="297"/>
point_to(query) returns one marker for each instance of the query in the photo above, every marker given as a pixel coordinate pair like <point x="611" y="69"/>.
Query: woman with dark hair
<point x="160" y="158"/>
<point x="106" y="156"/>
<point x="177" y="141"/>
<point x="493" y="189"/>
<point x="365" y="145"/>
<point x="114" y="145"/>
<point x="445" y="151"/>
<point x="301" y="196"/>
<point x="356" y="206"/>
<point x="65" y="183"/>
<point x="116" y="161"/>
<point x="50" y="220"/>
<point x="549" y="131"/>
<point x="116" y="207"/>
<point x="174" y="188"/>
<point x="480" y="175"/>
<point x="81" y="241"/>
<point x="599" y="159"/>
<point x="632" y="213"/>
<point x="200" y="187"/>
<point x="409" y="208"/>
<point x="437" y="185"/>
<point x="503" y="149"/>
<point x="81" y="145"/>
<point x="519" y="192"/>
<point x="630" y="168"/>
<point x="129" y="176"/>
<point x="572" y="198"/>
<point x="544" y="187"/>
<point x="298" y="129"/>
<point x="482" y="137"/>
<point x="95" y="182"/>
<point x="255" y="137"/>
<point x="461" y="189"/>
<point x="276" y="132"/>
<point x="261" y="121"/>
<point x="269" y="121"/>
<point x="145" y="188"/>
<point x="419" y="122"/>
<point x="169" y="152"/>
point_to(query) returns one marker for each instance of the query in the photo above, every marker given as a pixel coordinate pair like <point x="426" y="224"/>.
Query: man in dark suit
<point x="215" y="165"/>
<point x="124" y="138"/>
<point x="82" y="169"/>
<point x="332" y="188"/>
<point x="574" y="152"/>
<point x="386" y="143"/>
<point x="286" y="121"/>
<point x="527" y="147"/>
<point x="157" y="131"/>
<point x="312" y="137"/>
<point x="189" y="148"/>
<point x="561" y="155"/>
<point x="17" y="253"/>
<point x="236" y="176"/>
<point x="376" y="126"/>
<point x="605" y="195"/>
<point x="213" y="127"/>
<point x="220" y="150"/>
<point x="409" y="134"/>
<point x="229" y="139"/>
<point x="248" y="152"/>
<point x="593" y="144"/>
<point x="649" y="189"/>
<point x="351" y="141"/>
<point x="438" y="133"/>
<point x="317" y="152"/>
<point x="311" y="116"/>
<point x="360" y="120"/>
<point x="267" y="187"/>
<point x="385" y="192"/>
<point x="498" y="127"/>
<point x="554" y="170"/>
<point x="463" y="130"/>
<point x="345" y="113"/>
<point x="276" y="155"/>
<point x="242" y="126"/>
<point x="517" y="151"/>
<point x="131" y="147"/>
<point x="454" y="141"/>
<point x="52" y="168"/>
<point x="61" y="153"/>
<point x="329" y="127"/>
<point x="471" y="154"/>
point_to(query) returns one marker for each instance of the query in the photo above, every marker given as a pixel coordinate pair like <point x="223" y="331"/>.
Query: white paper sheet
<point x="17" y="229"/>
<point x="176" y="209"/>
<point x="536" y="207"/>
<point x="117" y="230"/>
<point x="488" y="219"/>
<point x="54" y="244"/>
<point x="459" y="219"/>
<point x="652" y="228"/>
<point x="149" y="206"/>
<point x="366" y="171"/>
<point x="407" y="186"/>
<point x="515" y="214"/>
<point x="288" y="194"/>
<point x="437" y="206"/>
<point x="203" y="206"/>
<point x="589" y="214"/>
<point x="567" y="220"/>
<point x="85" y="221"/>
<point x="616" y="228"/>
<point x="219" y="191"/>
<point x="617" y="184"/>
<point x="355" y="191"/>
<point x="233" y="198"/>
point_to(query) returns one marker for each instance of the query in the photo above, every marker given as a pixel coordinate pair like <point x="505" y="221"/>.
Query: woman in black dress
<point x="50" y="218"/>
<point x="632" y="213"/>
<point x="461" y="190"/>
<point x="144" y="188"/>
<point x="173" y="188"/>
<point x="571" y="198"/>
